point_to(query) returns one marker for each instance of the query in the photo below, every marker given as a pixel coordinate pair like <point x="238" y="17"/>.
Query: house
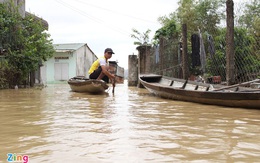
<point x="117" y="70"/>
<point x="69" y="60"/>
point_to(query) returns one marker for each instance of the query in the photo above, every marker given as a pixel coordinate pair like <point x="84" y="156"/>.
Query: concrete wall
<point x="132" y="70"/>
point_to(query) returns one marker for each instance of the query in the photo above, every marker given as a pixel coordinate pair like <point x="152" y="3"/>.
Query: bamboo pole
<point x="236" y="85"/>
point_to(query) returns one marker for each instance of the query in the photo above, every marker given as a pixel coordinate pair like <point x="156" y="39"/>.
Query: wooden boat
<point x="82" y="84"/>
<point x="184" y="90"/>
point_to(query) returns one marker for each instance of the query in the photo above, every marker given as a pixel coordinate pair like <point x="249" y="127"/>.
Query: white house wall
<point x="80" y="64"/>
<point x="90" y="58"/>
<point x="50" y="65"/>
<point x="43" y="74"/>
<point x="85" y="58"/>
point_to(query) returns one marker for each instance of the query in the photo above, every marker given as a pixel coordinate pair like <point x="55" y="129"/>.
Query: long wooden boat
<point x="82" y="84"/>
<point x="184" y="90"/>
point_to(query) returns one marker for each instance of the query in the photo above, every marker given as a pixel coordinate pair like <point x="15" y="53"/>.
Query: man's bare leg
<point x="101" y="75"/>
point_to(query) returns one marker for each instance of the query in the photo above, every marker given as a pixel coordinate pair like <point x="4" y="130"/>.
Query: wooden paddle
<point x="113" y="84"/>
<point x="236" y="85"/>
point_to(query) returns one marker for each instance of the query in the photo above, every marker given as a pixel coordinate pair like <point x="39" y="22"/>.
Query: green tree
<point x="208" y="15"/>
<point x="251" y="16"/>
<point x="201" y="14"/>
<point x="26" y="42"/>
<point x="246" y="64"/>
<point x="186" y="13"/>
<point x="251" y="21"/>
<point x="169" y="30"/>
<point x="143" y="38"/>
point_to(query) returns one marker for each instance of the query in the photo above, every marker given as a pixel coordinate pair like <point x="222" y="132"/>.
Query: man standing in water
<point x="99" y="69"/>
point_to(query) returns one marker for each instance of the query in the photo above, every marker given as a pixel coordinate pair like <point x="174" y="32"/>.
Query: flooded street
<point x="57" y="125"/>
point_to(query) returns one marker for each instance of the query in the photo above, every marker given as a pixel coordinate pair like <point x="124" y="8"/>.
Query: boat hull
<point x="204" y="95"/>
<point x="87" y="85"/>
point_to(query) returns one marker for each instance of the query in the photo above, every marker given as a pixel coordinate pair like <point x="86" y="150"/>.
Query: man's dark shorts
<point x="96" y="73"/>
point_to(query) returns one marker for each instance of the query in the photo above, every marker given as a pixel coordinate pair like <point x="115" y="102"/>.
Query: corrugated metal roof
<point x="70" y="47"/>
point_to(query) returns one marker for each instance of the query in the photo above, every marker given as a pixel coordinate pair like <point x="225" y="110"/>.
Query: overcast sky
<point x="101" y="23"/>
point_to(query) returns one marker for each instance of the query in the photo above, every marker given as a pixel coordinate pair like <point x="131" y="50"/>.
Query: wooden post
<point x="230" y="47"/>
<point x="161" y="56"/>
<point x="143" y="60"/>
<point x="147" y="59"/>
<point x="185" y="67"/>
<point x="132" y="70"/>
<point x="32" y="79"/>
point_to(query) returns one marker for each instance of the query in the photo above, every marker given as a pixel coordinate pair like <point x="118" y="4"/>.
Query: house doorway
<point x="61" y="71"/>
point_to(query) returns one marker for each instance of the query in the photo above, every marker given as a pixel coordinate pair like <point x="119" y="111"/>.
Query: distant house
<point x="69" y="60"/>
<point x="117" y="70"/>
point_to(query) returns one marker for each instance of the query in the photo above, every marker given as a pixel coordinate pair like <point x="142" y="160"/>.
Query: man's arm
<point x="106" y="72"/>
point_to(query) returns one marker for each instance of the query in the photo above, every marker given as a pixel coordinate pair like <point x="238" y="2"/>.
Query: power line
<point x="92" y="17"/>
<point x="116" y="12"/>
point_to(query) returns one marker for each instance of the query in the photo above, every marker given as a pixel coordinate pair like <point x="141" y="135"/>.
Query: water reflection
<point x="57" y="125"/>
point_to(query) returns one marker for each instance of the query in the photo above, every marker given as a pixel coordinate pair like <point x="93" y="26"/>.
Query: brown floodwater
<point x="56" y="125"/>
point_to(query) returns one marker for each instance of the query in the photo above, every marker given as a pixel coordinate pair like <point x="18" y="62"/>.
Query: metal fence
<point x="207" y="53"/>
<point x="166" y="59"/>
